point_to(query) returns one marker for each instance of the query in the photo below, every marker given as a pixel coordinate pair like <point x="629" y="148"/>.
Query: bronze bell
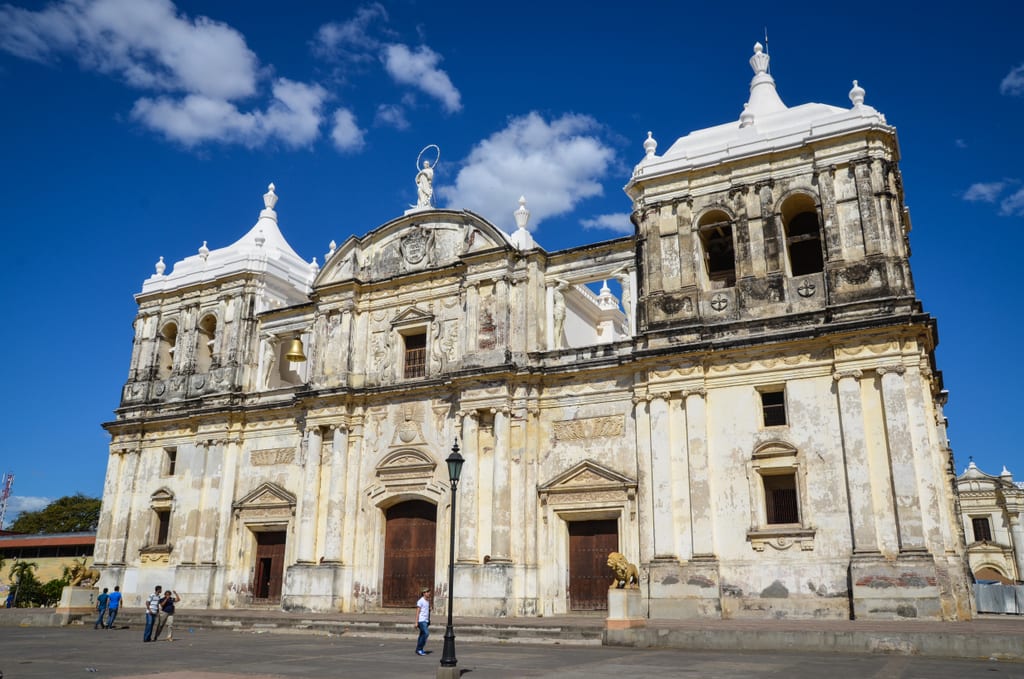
<point x="295" y="354"/>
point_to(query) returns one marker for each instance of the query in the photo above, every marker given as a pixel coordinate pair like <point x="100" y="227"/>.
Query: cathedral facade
<point x="741" y="398"/>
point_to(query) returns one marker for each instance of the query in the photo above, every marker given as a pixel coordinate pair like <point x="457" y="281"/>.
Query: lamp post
<point x="454" y="461"/>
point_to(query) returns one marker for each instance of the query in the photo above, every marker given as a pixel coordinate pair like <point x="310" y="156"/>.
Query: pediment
<point x="775" y="449"/>
<point x="420" y="241"/>
<point x="266" y="496"/>
<point x="412" y="316"/>
<point x="587" y="476"/>
<point x="162" y="495"/>
<point x="405" y="461"/>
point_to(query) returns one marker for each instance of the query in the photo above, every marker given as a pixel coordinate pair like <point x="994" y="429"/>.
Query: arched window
<point x="204" y="345"/>
<point x="165" y="352"/>
<point x="718" y="249"/>
<point x="803" y="235"/>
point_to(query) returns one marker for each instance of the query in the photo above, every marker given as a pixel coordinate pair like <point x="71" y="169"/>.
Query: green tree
<point x="49" y="594"/>
<point x="26" y="585"/>
<point x="69" y="514"/>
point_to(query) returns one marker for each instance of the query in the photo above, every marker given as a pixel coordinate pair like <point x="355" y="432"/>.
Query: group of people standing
<point x="159" y="612"/>
<point x="107" y="605"/>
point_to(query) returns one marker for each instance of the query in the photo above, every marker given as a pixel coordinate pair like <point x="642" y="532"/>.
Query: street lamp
<point x="454" y="461"/>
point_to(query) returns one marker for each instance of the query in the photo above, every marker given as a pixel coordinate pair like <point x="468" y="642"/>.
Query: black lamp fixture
<point x="455" y="462"/>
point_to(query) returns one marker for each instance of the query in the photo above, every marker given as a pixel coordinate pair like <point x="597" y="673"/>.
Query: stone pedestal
<point x="77" y="603"/>
<point x="625" y="609"/>
<point x="448" y="673"/>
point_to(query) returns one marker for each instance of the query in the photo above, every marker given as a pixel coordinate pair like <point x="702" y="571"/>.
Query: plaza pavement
<point x="80" y="651"/>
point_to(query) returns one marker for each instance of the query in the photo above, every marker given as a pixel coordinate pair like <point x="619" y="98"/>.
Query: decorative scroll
<point x="590" y="428"/>
<point x="272" y="456"/>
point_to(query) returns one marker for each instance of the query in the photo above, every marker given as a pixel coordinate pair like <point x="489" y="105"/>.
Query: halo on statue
<point x="437" y="157"/>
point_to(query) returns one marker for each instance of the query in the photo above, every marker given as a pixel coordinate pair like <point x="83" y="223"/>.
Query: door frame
<point x="439" y="532"/>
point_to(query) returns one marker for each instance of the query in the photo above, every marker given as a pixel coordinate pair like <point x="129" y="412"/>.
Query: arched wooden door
<point x="408" y="552"/>
<point x="590" y="542"/>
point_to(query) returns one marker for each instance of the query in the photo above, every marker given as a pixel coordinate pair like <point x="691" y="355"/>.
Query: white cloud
<point x="418" y="68"/>
<point x="618" y="222"/>
<point x="984" y="192"/>
<point x="391" y="115"/>
<point x="293" y="117"/>
<point x="555" y="165"/>
<point x="1013" y="205"/>
<point x="16" y="504"/>
<point x="351" y="39"/>
<point x="145" y="42"/>
<point x="346" y="134"/>
<point x="1013" y="83"/>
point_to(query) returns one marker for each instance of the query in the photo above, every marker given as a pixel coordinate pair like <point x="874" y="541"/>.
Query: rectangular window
<point x="415" y="355"/>
<point x="982" y="529"/>
<point x="773" y="407"/>
<point x="163" y="525"/>
<point x="781" y="499"/>
<point x="170" y="461"/>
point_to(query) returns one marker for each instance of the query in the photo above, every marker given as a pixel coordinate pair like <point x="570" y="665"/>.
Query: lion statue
<point x="626" y="574"/>
<point x="79" y="575"/>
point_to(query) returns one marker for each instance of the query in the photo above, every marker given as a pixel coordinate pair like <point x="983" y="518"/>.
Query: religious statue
<point x="558" y="313"/>
<point x="425" y="178"/>
<point x="269" y="361"/>
<point x="425" y="186"/>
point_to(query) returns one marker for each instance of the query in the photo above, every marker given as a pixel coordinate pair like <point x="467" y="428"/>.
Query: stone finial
<point x="759" y="62"/>
<point x="260" y="238"/>
<point x="204" y="251"/>
<point x="160" y="267"/>
<point x="1006" y="473"/>
<point x="332" y="246"/>
<point x="521" y="214"/>
<point x="270" y="198"/>
<point x="314" y="268"/>
<point x="747" y="117"/>
<point x="857" y="94"/>
<point x="650" y="145"/>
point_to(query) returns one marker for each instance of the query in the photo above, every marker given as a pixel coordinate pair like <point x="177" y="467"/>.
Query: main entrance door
<point x="408" y="552"/>
<point x="269" y="566"/>
<point x="590" y="543"/>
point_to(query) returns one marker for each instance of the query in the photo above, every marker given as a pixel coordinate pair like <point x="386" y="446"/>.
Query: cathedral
<point x="741" y="398"/>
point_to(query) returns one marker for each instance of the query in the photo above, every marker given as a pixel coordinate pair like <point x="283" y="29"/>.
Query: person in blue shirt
<point x="113" y="605"/>
<point x="101" y="608"/>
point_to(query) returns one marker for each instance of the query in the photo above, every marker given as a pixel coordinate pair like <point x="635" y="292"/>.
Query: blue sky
<point x="134" y="129"/>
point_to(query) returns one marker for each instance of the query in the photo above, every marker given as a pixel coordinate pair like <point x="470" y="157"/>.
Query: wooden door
<point x="408" y="552"/>
<point x="269" y="566"/>
<point x="590" y="543"/>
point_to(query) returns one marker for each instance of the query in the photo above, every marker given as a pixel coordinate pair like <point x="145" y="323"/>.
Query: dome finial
<point x="747" y="117"/>
<point x="160" y="267"/>
<point x="204" y="251"/>
<point x="650" y="145"/>
<point x="857" y="94"/>
<point x="759" y="62"/>
<point x="522" y="215"/>
<point x="270" y="198"/>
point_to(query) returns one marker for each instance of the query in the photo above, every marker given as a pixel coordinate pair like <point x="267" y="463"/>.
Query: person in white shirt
<point x="423" y="620"/>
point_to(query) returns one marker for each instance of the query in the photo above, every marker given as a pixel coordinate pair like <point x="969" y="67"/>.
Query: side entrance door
<point x="269" y="566"/>
<point x="590" y="543"/>
<point x="408" y="552"/>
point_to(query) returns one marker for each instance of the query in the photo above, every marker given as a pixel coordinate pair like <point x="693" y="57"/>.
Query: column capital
<point x="844" y="374"/>
<point x="896" y="369"/>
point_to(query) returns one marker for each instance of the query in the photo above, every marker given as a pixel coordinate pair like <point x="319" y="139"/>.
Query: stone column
<point x="232" y="447"/>
<point x="701" y="510"/>
<point x="645" y="504"/>
<point x="351" y="499"/>
<point x="472" y="319"/>
<point x="501" y="535"/>
<point x="855" y="456"/>
<point x="122" y="518"/>
<point x="901" y="459"/>
<point x="469" y="524"/>
<point x="661" y="478"/>
<point x="1017" y="533"/>
<point x="549" y="317"/>
<point x="336" y="493"/>
<point x="869" y="221"/>
<point x="105" y="536"/>
<point x="210" y="508"/>
<point x="310" y="495"/>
